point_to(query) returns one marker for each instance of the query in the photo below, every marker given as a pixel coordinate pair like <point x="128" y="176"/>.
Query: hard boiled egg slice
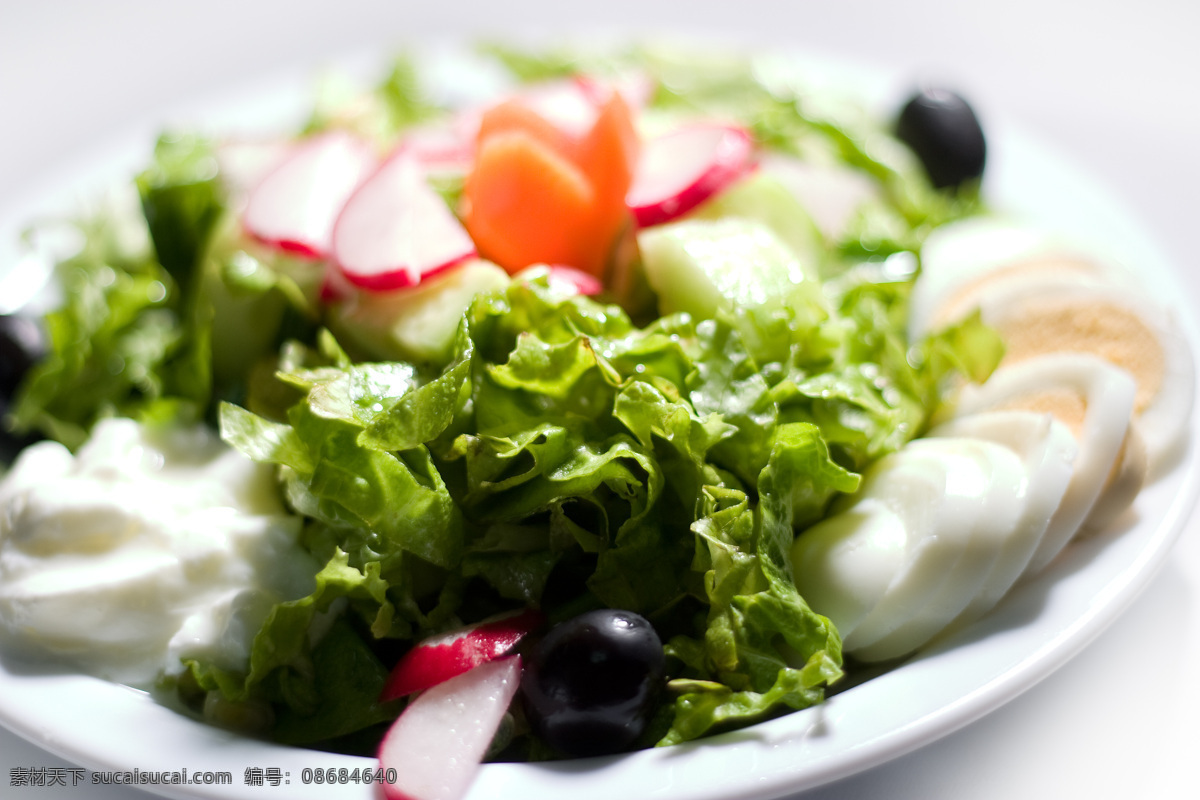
<point x="1093" y="398"/>
<point x="900" y="559"/>
<point x="971" y="258"/>
<point x="1125" y="481"/>
<point x="1041" y="316"/>
<point x="846" y="564"/>
<point x="932" y="547"/>
<point x="948" y="589"/>
<point x="1044" y="294"/>
<point x="1047" y="450"/>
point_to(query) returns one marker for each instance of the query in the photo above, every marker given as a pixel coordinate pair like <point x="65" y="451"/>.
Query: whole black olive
<point x="22" y="344"/>
<point x="944" y="132"/>
<point x="591" y="684"/>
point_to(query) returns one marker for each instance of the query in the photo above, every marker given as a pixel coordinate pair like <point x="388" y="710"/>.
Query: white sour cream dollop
<point x="143" y="549"/>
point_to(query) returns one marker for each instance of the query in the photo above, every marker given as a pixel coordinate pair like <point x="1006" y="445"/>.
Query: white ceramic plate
<point x="102" y="726"/>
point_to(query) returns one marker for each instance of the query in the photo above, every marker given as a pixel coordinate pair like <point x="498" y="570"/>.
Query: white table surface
<point x="1112" y="84"/>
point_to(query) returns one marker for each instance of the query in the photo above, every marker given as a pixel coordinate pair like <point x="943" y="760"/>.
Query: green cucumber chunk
<point x="761" y="197"/>
<point x="416" y="324"/>
<point x="699" y="266"/>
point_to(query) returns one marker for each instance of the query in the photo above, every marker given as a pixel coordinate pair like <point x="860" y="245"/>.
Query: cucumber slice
<point x="762" y="197"/>
<point x="699" y="266"/>
<point x="419" y="323"/>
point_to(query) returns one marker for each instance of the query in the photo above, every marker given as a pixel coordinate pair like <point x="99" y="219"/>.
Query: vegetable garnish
<point x="537" y="195"/>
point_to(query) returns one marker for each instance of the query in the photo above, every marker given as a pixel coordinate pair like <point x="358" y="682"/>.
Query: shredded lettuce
<point x="393" y="104"/>
<point x="128" y="339"/>
<point x="662" y="469"/>
<point x="162" y="312"/>
<point x="763" y="647"/>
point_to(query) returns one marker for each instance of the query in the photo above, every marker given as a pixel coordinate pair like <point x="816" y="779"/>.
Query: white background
<point x="1113" y="85"/>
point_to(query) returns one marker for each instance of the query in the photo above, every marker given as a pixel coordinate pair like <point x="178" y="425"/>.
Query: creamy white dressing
<point x="143" y="549"/>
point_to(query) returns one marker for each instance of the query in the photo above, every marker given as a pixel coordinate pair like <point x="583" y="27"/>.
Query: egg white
<point x="844" y="564"/>
<point x="1048" y="452"/>
<point x="948" y="591"/>
<point x="1044" y="294"/>
<point x="906" y="555"/>
<point x="966" y="260"/>
<point x="1106" y="394"/>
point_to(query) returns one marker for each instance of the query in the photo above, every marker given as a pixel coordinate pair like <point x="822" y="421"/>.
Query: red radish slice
<point x="564" y="103"/>
<point x="396" y="230"/>
<point x="436" y="744"/>
<point x="572" y="104"/>
<point x="294" y="207"/>
<point x="443" y="657"/>
<point x="563" y="279"/>
<point x="244" y="163"/>
<point x="681" y="169"/>
<point x="577" y="280"/>
<point x="442" y="148"/>
<point x="335" y="288"/>
<point x="635" y="88"/>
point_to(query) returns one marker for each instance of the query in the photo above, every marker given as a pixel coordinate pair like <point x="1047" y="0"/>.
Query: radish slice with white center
<point x="443" y="657"/>
<point x="294" y="207"/>
<point x="436" y="744"/>
<point x="565" y="281"/>
<point x="635" y="88"/>
<point x="574" y="280"/>
<point x="442" y="149"/>
<point x="566" y="103"/>
<point x="681" y="169"/>
<point x="396" y="230"/>
<point x="335" y="288"/>
<point x="244" y="163"/>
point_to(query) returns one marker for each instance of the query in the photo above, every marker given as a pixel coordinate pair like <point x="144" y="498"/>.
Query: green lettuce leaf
<point x="311" y="666"/>
<point x="182" y="201"/>
<point x="163" y="310"/>
<point x="766" y="648"/>
<point x="121" y="342"/>
<point x="395" y="103"/>
<point x="568" y="459"/>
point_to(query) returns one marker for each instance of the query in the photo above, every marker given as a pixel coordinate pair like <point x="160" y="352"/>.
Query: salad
<point x="579" y="401"/>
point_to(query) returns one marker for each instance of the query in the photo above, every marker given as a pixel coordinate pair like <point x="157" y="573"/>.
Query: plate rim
<point x="1118" y="592"/>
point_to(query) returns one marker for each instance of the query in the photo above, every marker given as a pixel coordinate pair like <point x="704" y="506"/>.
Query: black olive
<point x="22" y="344"/>
<point x="944" y="132"/>
<point x="11" y="443"/>
<point x="590" y="685"/>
